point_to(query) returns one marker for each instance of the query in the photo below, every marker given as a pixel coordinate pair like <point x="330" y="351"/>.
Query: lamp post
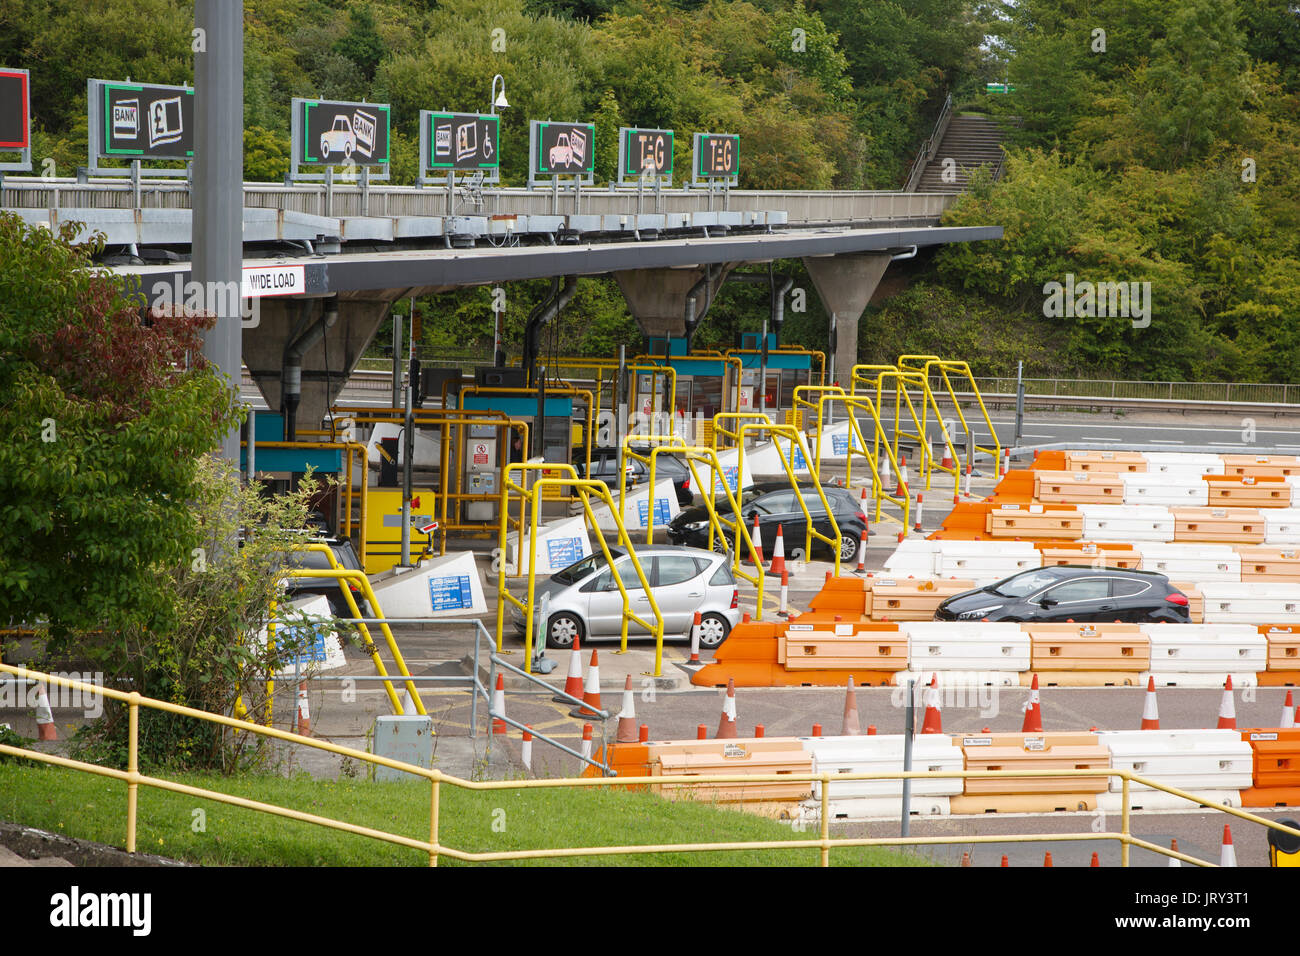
<point x="498" y="99"/>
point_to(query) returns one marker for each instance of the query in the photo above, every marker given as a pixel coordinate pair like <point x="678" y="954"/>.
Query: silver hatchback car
<point x="585" y="600"/>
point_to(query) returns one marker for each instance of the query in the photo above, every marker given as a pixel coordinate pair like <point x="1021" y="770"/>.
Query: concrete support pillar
<point x="846" y="284"/>
<point x="343" y="344"/>
<point x="657" y="297"/>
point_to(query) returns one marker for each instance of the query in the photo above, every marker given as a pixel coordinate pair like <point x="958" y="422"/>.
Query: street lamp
<point x="498" y="99"/>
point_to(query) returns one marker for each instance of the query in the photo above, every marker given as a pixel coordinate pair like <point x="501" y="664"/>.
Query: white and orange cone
<point x="851" y="726"/>
<point x="591" y="692"/>
<point x="920" y="508"/>
<point x="784" y="609"/>
<point x="933" y="722"/>
<point x="1173" y="860"/>
<point x="695" y="639"/>
<point x="1288" y="712"/>
<point x="573" y="682"/>
<point x="627" y="729"/>
<point x="862" y="552"/>
<point x="45" y="729"/>
<point x="727" y="722"/>
<point x="901" y="490"/>
<point x="304" y="710"/>
<point x="757" y="537"/>
<point x="884" y="473"/>
<point x="586" y="742"/>
<point x="1033" y="711"/>
<point x="778" y="553"/>
<point x="526" y="752"/>
<point x="1227" y="709"/>
<point x="966" y="489"/>
<point x="1228" y="854"/>
<point x="1150" y="712"/>
<point x="499" y="705"/>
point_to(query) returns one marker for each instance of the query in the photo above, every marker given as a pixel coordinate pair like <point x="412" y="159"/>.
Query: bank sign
<point x="143" y="121"/>
<point x="339" y="134"/>
<point x="461" y="141"/>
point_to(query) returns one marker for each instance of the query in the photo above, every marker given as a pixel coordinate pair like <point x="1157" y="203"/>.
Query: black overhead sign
<point x="334" y="133"/>
<point x="15" y="110"/>
<point x="142" y="121"/>
<point x="564" y="148"/>
<point x="717" y="155"/>
<point x="646" y="150"/>
<point x="465" y="141"/>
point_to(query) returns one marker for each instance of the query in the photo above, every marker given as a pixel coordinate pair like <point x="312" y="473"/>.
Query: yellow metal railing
<point x="433" y="848"/>
<point x="585" y="487"/>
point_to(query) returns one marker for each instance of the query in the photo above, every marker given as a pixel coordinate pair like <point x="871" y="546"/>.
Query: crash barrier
<point x="863" y="799"/>
<point x="1032" y="752"/>
<point x="837" y="639"/>
<point x="432" y="848"/>
<point x="1275" y="776"/>
<point x="1216" y="765"/>
<point x="894" y="599"/>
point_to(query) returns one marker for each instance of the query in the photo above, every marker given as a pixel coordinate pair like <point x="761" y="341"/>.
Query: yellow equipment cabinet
<point x="383" y="527"/>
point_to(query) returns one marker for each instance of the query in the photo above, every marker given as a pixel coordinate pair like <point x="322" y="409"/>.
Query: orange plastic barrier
<point x="1261" y="466"/>
<point x="1035" y="522"/>
<point x="1276" y="772"/>
<point x="1049" y="461"/>
<point x="1016" y="487"/>
<point x="749" y="656"/>
<point x="966" y="522"/>
<point x="1248" y="491"/>
<point x="842" y="646"/>
<point x="1090" y="553"/>
<point x="1244" y="525"/>
<point x="1116" y="461"/>
<point x="737" y="756"/>
<point x="1195" y="600"/>
<point x="912" y="599"/>
<point x="1078" y="487"/>
<point x="1048" y="751"/>
<point x="1269" y="564"/>
<point x="847" y="596"/>
<point x="1283" y="668"/>
<point x="1088" y="647"/>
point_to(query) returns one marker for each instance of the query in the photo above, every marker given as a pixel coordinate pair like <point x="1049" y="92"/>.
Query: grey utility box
<point x="405" y="738"/>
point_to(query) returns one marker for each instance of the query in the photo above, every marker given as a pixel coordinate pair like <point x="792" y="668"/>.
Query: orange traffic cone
<point x="933" y="723"/>
<point x="1033" y="711"/>
<point x="1096" y="860"/>
<point x="1150" y="712"/>
<point x="1047" y="858"/>
<point x="851" y="727"/>
<point x="45" y="729"/>
<point x="627" y="716"/>
<point x="526" y="752"/>
<point x="573" y="682"/>
<point x="784" y="609"/>
<point x="778" y="553"/>
<point x="1227" y="710"/>
<point x="1228" y="854"/>
<point x="499" y="705"/>
<point x="920" y="507"/>
<point x="1173" y="860"/>
<point x="965" y="859"/>
<point x="304" y="710"/>
<point x="1288" y="712"/>
<point x="1005" y="861"/>
<point x="947" y="457"/>
<point x="586" y="741"/>
<point x="727" y="722"/>
<point x="902" y="478"/>
<point x="590" y="692"/>
<point x="695" y="639"/>
<point x="757" y="537"/>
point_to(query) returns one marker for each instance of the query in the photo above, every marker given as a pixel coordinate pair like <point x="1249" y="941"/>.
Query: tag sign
<point x="260" y="281"/>
<point x="1107" y="454"/>
<point x="799" y="627"/>
<point x="843" y="630"/>
<point x="1218" y="513"/>
<point x="977" y="741"/>
<point x="733" y="750"/>
<point x="1263" y="736"/>
<point x="1035" y="744"/>
<point x="1035" y="509"/>
<point x="1011" y="507"/>
<point x="887" y="583"/>
<point x="1080" y="476"/>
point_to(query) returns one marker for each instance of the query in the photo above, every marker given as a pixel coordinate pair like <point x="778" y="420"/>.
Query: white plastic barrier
<point x="732" y="473"/>
<point x="764" y="458"/>
<point x="1250" y="603"/>
<point x="985" y="561"/>
<point x="1124" y="523"/>
<point x="963" y="646"/>
<point x="1183" y="463"/>
<point x="1211" y="681"/>
<point x="1281" y="525"/>
<point x="1167" y="489"/>
<point x="320" y="648"/>
<point x="835" y="445"/>
<point x="636" y="508"/>
<point x="1195" y="760"/>
<point x="1217" y="649"/>
<point x="913" y="556"/>
<point x="445" y="586"/>
<point x="959" y="682"/>
<point x="1202" y="563"/>
<point x="559" y="544"/>
<point x="854" y="799"/>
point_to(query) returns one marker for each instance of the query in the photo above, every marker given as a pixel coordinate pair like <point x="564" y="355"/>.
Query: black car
<point x="1071" y="593"/>
<point x="345" y="555"/>
<point x="776" y="505"/>
<point x="604" y="467"/>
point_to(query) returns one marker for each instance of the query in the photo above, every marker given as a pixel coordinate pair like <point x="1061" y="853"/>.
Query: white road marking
<point x="1166" y="441"/>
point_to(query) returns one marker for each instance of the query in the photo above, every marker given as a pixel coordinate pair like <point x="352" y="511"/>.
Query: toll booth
<point x="707" y="384"/>
<point x="769" y="376"/>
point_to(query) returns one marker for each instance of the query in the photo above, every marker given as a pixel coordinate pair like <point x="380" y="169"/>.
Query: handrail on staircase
<point x="930" y="147"/>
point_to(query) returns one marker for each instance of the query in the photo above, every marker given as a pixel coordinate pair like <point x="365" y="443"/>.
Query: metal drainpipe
<point x="291" y="365"/>
<point x="545" y="313"/>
